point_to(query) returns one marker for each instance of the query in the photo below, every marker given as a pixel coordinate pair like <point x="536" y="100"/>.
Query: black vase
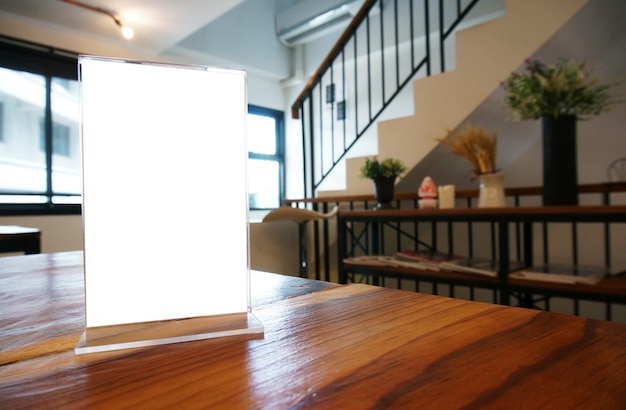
<point x="383" y="189"/>
<point x="560" y="170"/>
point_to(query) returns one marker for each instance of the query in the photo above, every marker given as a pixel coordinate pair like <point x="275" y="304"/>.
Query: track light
<point x="127" y="32"/>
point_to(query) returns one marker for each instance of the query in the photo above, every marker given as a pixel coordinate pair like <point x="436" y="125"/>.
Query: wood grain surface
<point x="354" y="346"/>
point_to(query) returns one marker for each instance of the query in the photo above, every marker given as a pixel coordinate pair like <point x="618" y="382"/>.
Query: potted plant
<point x="559" y="94"/>
<point x="479" y="147"/>
<point x="383" y="175"/>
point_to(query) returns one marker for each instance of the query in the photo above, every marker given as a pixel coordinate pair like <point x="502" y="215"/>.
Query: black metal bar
<point x="574" y="243"/>
<point x="375" y="238"/>
<point x="356" y="89"/>
<point x="316" y="244"/>
<point x="302" y="243"/>
<point x="48" y="138"/>
<point x="305" y="168"/>
<point x="412" y="32"/>
<point x="470" y="239"/>
<point x="343" y="96"/>
<point x="397" y="41"/>
<point x="460" y="18"/>
<point x="607" y="244"/>
<point x="321" y="128"/>
<point x="326" y="238"/>
<point x="398" y="236"/>
<point x="518" y="241"/>
<point x="369" y="68"/>
<point x="427" y="36"/>
<point x="381" y="240"/>
<point x="341" y="248"/>
<point x="433" y="233"/>
<point x="528" y="243"/>
<point x="503" y="257"/>
<point x="545" y="242"/>
<point x="332" y="112"/>
<point x="442" y="50"/>
<point x="492" y="226"/>
<point x="382" y="53"/>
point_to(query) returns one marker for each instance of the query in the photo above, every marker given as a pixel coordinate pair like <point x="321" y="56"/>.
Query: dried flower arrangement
<point x="476" y="146"/>
<point x="552" y="90"/>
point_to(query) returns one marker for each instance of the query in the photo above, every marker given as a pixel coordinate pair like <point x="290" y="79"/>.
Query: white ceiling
<point x="158" y="24"/>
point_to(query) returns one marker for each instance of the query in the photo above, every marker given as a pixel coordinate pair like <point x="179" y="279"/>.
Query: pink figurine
<point x="428" y="194"/>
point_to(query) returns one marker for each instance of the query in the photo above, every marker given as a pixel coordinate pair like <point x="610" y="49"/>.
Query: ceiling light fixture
<point x="127" y="32"/>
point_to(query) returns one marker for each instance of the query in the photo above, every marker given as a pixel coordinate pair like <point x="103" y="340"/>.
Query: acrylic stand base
<point x="108" y="338"/>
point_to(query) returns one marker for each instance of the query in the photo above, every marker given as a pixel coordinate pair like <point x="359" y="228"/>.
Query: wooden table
<point x="20" y="239"/>
<point x="325" y="346"/>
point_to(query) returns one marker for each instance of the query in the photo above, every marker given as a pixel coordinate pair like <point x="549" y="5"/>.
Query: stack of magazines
<point x="563" y="273"/>
<point x="422" y="259"/>
<point x="481" y="266"/>
<point x="427" y="259"/>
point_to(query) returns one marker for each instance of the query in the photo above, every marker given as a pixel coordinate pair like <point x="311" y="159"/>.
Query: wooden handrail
<point x="345" y="36"/>
<point x="599" y="188"/>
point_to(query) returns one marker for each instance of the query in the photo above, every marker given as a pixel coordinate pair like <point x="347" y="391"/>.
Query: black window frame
<point x="50" y="63"/>
<point x="279" y="156"/>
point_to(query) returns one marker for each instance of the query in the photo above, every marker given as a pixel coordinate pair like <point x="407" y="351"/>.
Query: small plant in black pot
<point x="383" y="175"/>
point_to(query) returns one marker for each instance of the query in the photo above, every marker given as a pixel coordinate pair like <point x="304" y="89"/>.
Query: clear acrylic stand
<point x="165" y="208"/>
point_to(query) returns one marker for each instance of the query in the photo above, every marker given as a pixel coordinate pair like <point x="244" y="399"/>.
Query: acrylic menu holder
<point x="165" y="209"/>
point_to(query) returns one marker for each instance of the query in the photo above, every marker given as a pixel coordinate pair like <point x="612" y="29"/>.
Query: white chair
<point x="301" y="216"/>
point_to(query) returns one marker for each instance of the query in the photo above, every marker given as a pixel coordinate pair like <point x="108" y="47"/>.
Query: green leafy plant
<point x="387" y="168"/>
<point x="475" y="145"/>
<point x="552" y="90"/>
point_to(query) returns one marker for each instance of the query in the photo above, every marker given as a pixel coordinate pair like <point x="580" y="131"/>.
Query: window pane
<point x="22" y="163"/>
<point x="66" y="170"/>
<point x="261" y="134"/>
<point x="263" y="179"/>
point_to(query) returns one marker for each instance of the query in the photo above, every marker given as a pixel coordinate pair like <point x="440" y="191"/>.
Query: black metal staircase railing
<point x="388" y="43"/>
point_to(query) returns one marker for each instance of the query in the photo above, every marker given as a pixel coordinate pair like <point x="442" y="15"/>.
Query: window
<point x="265" y="157"/>
<point x="60" y="138"/>
<point x="40" y="160"/>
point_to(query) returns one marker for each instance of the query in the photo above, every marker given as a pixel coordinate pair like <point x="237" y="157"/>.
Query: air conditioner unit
<point x="311" y="19"/>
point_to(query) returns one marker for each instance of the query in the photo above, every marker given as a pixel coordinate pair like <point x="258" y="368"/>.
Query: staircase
<point x="485" y="54"/>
